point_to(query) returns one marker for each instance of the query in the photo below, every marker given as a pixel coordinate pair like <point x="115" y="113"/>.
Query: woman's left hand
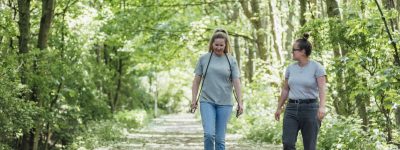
<point x="321" y="113"/>
<point x="239" y="109"/>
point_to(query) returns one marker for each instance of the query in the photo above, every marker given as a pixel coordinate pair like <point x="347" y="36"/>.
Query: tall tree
<point x="303" y="9"/>
<point x="118" y="76"/>
<point x="235" y="17"/>
<point x="340" y="102"/>
<point x="45" y="22"/>
<point x="253" y="13"/>
<point x="396" y="6"/>
<point x="45" y="25"/>
<point x="249" y="65"/>
<point x="290" y="28"/>
<point x="274" y="33"/>
<point x="24" y="38"/>
<point x="24" y="25"/>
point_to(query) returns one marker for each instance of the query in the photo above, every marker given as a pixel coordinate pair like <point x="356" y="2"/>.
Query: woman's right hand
<point x="278" y="114"/>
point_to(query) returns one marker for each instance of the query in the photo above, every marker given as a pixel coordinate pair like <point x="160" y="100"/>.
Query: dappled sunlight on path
<point x="179" y="132"/>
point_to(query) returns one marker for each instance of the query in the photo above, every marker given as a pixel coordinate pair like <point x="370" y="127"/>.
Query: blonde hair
<point x="220" y="34"/>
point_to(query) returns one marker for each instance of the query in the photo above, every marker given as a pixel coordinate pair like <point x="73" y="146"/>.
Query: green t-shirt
<point x="217" y="87"/>
<point x="303" y="80"/>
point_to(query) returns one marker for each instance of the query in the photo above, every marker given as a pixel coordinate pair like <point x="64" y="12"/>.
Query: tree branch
<point x="245" y="7"/>
<point x="396" y="54"/>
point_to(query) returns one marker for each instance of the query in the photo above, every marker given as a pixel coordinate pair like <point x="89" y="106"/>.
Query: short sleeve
<point x="320" y="71"/>
<point x="235" y="69"/>
<point x="287" y="73"/>
<point x="199" y="68"/>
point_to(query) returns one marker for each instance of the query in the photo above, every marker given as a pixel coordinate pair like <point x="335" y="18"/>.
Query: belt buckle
<point x="296" y="101"/>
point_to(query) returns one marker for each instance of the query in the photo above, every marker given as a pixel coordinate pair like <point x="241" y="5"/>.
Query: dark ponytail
<point x="303" y="43"/>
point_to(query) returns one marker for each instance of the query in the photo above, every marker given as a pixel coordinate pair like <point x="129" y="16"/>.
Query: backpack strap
<point x="203" y="77"/>
<point x="230" y="76"/>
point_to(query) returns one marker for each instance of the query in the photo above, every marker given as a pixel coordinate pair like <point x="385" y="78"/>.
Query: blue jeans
<point x="214" y="118"/>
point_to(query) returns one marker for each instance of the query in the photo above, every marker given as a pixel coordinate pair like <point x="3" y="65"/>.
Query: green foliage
<point x="132" y="119"/>
<point x="106" y="132"/>
<point x="16" y="114"/>
<point x="257" y="123"/>
<point x="367" y="55"/>
<point x="111" y="60"/>
<point x="346" y="133"/>
<point x="5" y="147"/>
<point x="266" y="130"/>
<point x="97" y="134"/>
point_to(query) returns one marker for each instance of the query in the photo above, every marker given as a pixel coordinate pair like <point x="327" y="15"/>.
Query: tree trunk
<point x="237" y="50"/>
<point x="109" y="97"/>
<point x="333" y="12"/>
<point x="274" y="34"/>
<point x="379" y="101"/>
<point x="234" y="17"/>
<point x="362" y="111"/>
<point x="45" y="22"/>
<point x="397" y="114"/>
<point x="341" y="102"/>
<point x="119" y="81"/>
<point x="397" y="111"/>
<point x="323" y="12"/>
<point x="290" y="29"/>
<point x="24" y="25"/>
<point x="23" y="40"/>
<point x="398" y="11"/>
<point x="362" y="3"/>
<point x="63" y="36"/>
<point x="332" y="7"/>
<point x="303" y="4"/>
<point x="38" y="131"/>
<point x="45" y="25"/>
<point x="105" y="55"/>
<point x="48" y="136"/>
<point x="388" y="122"/>
<point x="255" y="19"/>
<point x="97" y="52"/>
<point x="389" y="4"/>
<point x="249" y="65"/>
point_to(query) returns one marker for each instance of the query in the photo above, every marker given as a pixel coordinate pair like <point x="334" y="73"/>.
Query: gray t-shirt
<point x="217" y="87"/>
<point x="303" y="80"/>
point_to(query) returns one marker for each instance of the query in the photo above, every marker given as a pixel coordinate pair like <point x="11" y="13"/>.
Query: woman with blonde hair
<point x="219" y="73"/>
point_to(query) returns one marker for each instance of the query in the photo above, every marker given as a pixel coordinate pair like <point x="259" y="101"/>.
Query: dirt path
<point x="179" y="132"/>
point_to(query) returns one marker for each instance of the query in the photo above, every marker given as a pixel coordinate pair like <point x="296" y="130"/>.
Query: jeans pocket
<point x="313" y="106"/>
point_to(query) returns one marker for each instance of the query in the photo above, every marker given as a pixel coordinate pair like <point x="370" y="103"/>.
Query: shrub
<point x="133" y="118"/>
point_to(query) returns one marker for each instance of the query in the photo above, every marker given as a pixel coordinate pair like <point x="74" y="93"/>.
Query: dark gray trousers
<point x="301" y="117"/>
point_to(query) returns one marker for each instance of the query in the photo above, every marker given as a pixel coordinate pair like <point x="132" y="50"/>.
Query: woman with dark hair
<point x="219" y="73"/>
<point x="305" y="82"/>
